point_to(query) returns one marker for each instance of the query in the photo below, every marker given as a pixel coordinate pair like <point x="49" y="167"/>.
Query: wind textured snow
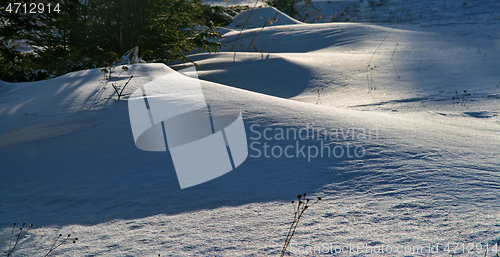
<point x="423" y="171"/>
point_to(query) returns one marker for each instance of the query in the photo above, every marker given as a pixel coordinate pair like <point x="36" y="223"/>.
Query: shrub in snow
<point x="299" y="208"/>
<point x="60" y="240"/>
<point x="319" y="95"/>
<point x="18" y="237"/>
<point x="462" y="100"/>
<point x="15" y="239"/>
<point x="119" y="90"/>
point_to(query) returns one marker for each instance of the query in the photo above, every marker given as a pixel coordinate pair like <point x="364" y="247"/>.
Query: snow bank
<point x="94" y="183"/>
<point x="260" y="16"/>
<point x="430" y="173"/>
<point x="3" y="86"/>
<point x="74" y="91"/>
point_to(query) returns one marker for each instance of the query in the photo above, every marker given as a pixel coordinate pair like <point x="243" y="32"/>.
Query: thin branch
<point x="244" y="25"/>
<point x="267" y="23"/>
<point x="299" y="209"/>
<point x="123" y="88"/>
<point x="19" y="237"/>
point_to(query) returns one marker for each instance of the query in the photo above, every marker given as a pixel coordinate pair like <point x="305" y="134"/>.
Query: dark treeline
<point x="79" y="34"/>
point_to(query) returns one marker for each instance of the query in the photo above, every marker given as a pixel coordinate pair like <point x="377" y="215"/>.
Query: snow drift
<point x="416" y="169"/>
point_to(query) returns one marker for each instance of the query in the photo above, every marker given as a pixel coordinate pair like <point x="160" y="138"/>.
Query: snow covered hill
<point x="369" y="124"/>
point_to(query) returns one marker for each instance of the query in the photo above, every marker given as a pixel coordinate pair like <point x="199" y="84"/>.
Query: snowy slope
<point x="403" y="11"/>
<point x="267" y="16"/>
<point x="429" y="173"/>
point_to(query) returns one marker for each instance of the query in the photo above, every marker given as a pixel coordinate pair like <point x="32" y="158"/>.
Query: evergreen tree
<point x="93" y="33"/>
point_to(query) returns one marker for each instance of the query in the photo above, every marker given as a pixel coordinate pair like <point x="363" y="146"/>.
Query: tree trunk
<point x="125" y="43"/>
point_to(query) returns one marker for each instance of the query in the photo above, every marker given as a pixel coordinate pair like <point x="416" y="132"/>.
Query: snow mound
<point x="80" y="90"/>
<point x="259" y="17"/>
<point x="386" y="148"/>
<point x="3" y="87"/>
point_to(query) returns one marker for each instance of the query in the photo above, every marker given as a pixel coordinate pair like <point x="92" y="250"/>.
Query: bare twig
<point x="370" y="61"/>
<point x="120" y="94"/>
<point x="392" y="60"/>
<point x="20" y="235"/>
<point x="393" y="52"/>
<point x="319" y="95"/>
<point x="123" y="88"/>
<point x="243" y="27"/>
<point x="461" y="100"/>
<point x="267" y="23"/>
<point x="299" y="209"/>
<point x="58" y="243"/>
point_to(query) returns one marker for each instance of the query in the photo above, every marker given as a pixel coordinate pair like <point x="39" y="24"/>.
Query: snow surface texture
<point x="267" y="16"/>
<point x="429" y="175"/>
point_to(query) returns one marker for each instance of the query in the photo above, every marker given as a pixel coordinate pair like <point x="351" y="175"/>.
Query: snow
<point x="429" y="174"/>
<point x="266" y="16"/>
